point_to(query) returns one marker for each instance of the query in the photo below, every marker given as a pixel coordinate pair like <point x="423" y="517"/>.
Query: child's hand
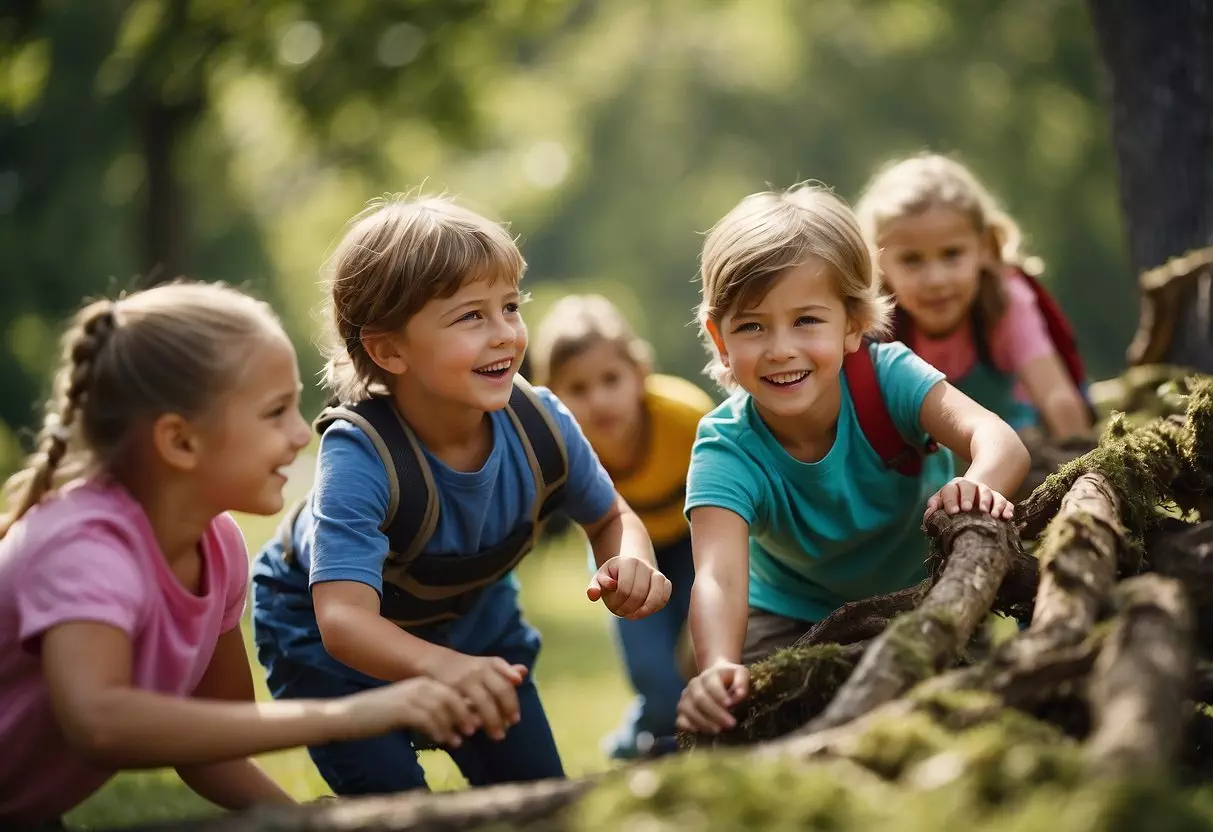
<point x="965" y="495"/>
<point x="425" y="705"/>
<point x="629" y="587"/>
<point x="703" y="708"/>
<point x="488" y="683"/>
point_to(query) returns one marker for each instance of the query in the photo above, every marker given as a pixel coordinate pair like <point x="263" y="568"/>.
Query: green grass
<point x="579" y="674"/>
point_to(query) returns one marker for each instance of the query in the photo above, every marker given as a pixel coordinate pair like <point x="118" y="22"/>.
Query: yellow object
<point x="656" y="488"/>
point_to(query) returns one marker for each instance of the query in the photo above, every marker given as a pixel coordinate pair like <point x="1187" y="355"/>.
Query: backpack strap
<point x="409" y="522"/>
<point x="421" y="589"/>
<point x="1061" y="332"/>
<point x="544" y="446"/>
<point x="874" y="418"/>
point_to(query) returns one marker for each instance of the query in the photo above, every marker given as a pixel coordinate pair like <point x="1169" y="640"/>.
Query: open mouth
<point x="497" y="369"/>
<point x="785" y="380"/>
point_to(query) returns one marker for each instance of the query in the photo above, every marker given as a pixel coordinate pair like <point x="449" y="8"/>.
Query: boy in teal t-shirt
<point x="785" y="495"/>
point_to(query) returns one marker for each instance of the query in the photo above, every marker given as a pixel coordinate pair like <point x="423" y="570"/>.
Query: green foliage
<point x="610" y="135"/>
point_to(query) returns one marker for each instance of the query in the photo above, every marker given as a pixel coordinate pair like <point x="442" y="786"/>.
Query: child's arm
<point x="718" y="616"/>
<point x="998" y="460"/>
<point x="355" y="634"/>
<point x="627" y="578"/>
<point x="1061" y="405"/>
<point x="235" y="784"/>
<point x="87" y="667"/>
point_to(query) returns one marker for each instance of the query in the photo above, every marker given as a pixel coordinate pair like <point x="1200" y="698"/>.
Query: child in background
<point x="792" y="511"/>
<point x="642" y="426"/>
<point x="951" y="258"/>
<point x="429" y="337"/>
<point x="122" y="589"/>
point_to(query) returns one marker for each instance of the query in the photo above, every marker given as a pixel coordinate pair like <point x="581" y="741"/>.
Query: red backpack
<point x="874" y="419"/>
<point x="1061" y="332"/>
<point x="873" y="415"/>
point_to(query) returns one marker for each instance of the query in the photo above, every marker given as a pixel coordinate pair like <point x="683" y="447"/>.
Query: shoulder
<point x="677" y="396"/>
<point x="229" y="537"/>
<point x="894" y="361"/>
<point x="345" y="444"/>
<point x="560" y="414"/>
<point x="728" y="422"/>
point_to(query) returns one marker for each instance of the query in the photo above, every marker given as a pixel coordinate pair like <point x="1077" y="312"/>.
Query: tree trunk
<point x="1159" y="61"/>
<point x="164" y="235"/>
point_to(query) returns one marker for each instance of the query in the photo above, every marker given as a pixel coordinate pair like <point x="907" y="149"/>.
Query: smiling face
<point x="787" y="350"/>
<point x="932" y="262"/>
<point x="464" y="350"/>
<point x="253" y="433"/>
<point x="604" y="388"/>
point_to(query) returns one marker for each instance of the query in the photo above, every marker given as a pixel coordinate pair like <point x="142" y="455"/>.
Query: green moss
<point x="729" y="791"/>
<point x="786" y="690"/>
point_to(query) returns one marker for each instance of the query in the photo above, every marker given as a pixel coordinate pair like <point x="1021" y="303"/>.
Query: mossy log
<point x="977" y="555"/>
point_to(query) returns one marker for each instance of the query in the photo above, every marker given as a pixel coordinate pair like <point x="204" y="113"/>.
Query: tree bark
<point x="164" y="226"/>
<point x="978" y="553"/>
<point x="1159" y="63"/>
<point x="1140" y="683"/>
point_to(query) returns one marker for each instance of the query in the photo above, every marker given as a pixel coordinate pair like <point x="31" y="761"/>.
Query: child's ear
<point x="854" y="335"/>
<point x="176" y="441"/>
<point x="714" y="332"/>
<point x="386" y="350"/>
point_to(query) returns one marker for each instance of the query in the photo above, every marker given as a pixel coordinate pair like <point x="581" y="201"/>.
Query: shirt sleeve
<point x="905" y="380"/>
<point x="1022" y="335"/>
<point x="589" y="491"/>
<point x="234" y="551"/>
<point x="719" y="476"/>
<point x="93" y="576"/>
<point x="349" y="503"/>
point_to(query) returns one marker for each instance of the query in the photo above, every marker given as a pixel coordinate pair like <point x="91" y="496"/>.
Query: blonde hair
<point x="574" y="324"/>
<point x="174" y="348"/>
<point x="911" y="186"/>
<point x="770" y="232"/>
<point x="397" y="256"/>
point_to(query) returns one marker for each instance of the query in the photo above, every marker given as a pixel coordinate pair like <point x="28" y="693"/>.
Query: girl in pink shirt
<point x="951" y="258"/>
<point x="123" y="580"/>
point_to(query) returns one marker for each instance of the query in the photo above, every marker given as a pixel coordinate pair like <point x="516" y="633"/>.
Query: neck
<point x="623" y="453"/>
<point x="808" y="435"/>
<point x="177" y="518"/>
<point x="459" y="435"/>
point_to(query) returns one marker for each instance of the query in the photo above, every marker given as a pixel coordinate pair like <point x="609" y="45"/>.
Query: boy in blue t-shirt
<point x="792" y="512"/>
<point x="425" y="302"/>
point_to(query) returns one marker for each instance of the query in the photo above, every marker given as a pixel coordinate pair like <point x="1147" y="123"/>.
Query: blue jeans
<point x="650" y="654"/>
<point x="298" y="667"/>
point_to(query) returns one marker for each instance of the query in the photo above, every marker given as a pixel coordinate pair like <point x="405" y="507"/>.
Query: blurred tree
<point x="1159" y="63"/>
<point x="99" y="101"/>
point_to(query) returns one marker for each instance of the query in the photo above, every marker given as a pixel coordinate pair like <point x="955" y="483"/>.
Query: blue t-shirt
<point x="832" y="531"/>
<point x="337" y="535"/>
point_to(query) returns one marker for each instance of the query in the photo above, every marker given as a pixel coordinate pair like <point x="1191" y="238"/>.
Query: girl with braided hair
<point x="123" y="579"/>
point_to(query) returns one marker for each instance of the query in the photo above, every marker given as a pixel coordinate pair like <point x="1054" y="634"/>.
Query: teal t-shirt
<point x="832" y="531"/>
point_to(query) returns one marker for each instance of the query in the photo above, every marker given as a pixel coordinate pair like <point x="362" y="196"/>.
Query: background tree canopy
<point x="231" y="141"/>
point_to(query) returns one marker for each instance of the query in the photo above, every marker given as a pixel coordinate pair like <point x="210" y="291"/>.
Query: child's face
<point x="604" y="389"/>
<point x="257" y="431"/>
<point x="932" y="263"/>
<point x="787" y="350"/>
<point x="467" y="348"/>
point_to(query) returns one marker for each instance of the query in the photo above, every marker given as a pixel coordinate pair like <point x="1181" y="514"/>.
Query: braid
<point x="94" y="326"/>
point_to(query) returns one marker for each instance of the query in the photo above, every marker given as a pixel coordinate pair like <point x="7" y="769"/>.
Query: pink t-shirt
<point x="88" y="554"/>
<point x="1019" y="337"/>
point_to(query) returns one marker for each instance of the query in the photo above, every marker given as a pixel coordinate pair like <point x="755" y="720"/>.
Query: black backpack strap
<point x="544" y="446"/>
<point x="412" y="512"/>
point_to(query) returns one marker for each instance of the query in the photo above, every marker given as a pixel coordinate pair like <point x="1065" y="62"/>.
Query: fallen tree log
<point x="978" y="551"/>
